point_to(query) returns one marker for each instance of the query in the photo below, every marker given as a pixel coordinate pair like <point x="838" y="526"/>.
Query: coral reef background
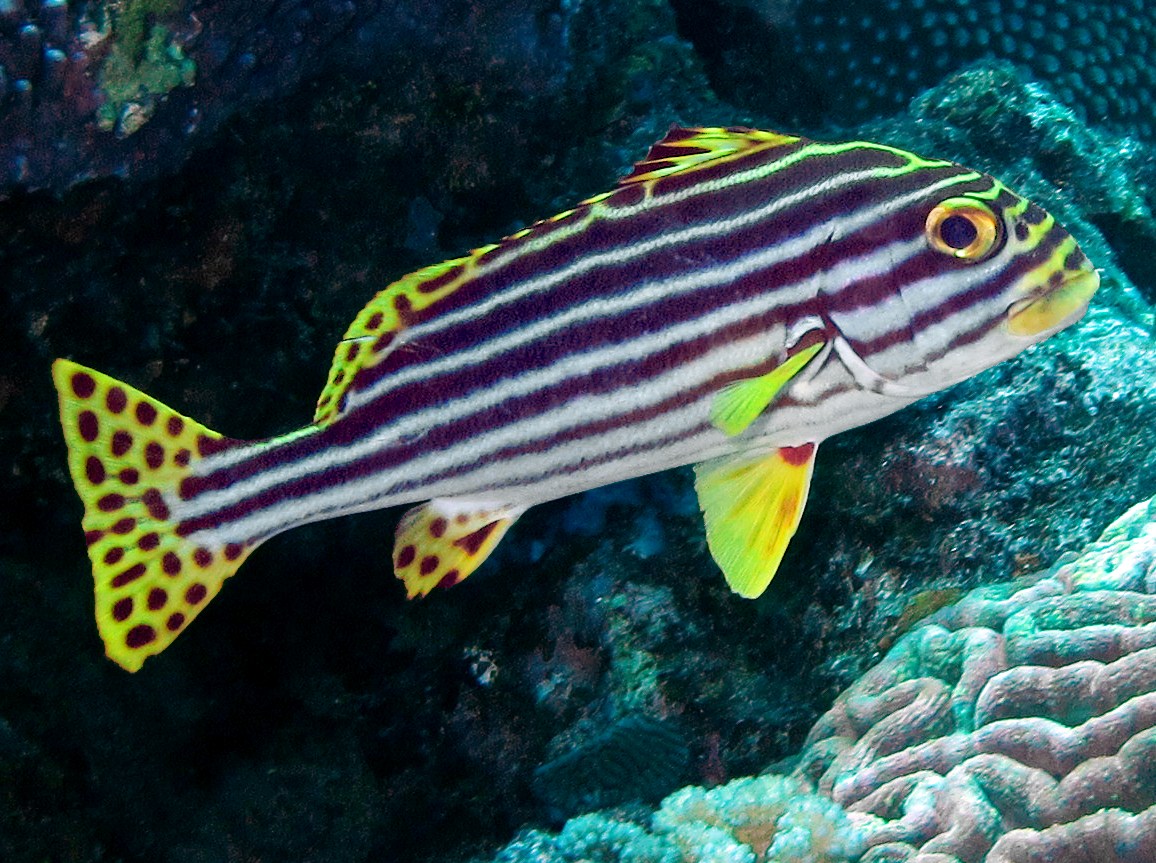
<point x="1017" y="724"/>
<point x="199" y="196"/>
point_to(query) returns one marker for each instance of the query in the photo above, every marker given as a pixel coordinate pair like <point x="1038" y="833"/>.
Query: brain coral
<point x="1016" y="725"/>
<point x="1096" y="55"/>
<point x="755" y="820"/>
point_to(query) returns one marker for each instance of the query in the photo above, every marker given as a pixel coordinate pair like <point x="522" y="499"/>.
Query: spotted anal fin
<point x="739" y="404"/>
<point x="128" y="455"/>
<point x="686" y="149"/>
<point x="752" y="506"/>
<point x="440" y="543"/>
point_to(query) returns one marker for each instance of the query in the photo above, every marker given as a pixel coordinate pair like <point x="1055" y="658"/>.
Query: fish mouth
<point x="1054" y="309"/>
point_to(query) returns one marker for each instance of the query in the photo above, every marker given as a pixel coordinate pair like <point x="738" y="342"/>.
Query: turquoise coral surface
<point x="1018" y="724"/>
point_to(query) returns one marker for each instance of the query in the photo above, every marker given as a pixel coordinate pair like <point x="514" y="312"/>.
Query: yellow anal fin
<point x="739" y="404"/>
<point x="686" y="149"/>
<point x="752" y="506"/>
<point x="440" y="543"/>
<point x="128" y="455"/>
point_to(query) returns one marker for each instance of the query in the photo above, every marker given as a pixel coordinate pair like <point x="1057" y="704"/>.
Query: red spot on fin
<point x="752" y="506"/>
<point x="121" y="442"/>
<point x="797" y="455"/>
<point x="150" y="580"/>
<point x="83" y="385"/>
<point x="155" y="504"/>
<point x="472" y="543"/>
<point x="146" y="414"/>
<point x="171" y="564"/>
<point x="116" y="401"/>
<point x="154" y="454"/>
<point x="442" y="542"/>
<point x="110" y="502"/>
<point x="88" y="426"/>
<point x="158" y="597"/>
<point x="94" y="470"/>
<point x="129" y="575"/>
<point x="139" y="636"/>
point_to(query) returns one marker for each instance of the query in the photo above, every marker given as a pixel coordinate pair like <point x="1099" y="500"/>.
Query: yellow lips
<point x="1056" y="309"/>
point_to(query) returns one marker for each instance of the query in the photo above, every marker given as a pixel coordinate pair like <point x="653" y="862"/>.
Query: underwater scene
<point x="675" y="431"/>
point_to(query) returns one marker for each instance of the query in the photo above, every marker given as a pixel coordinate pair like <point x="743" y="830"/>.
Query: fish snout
<point x="1055" y="302"/>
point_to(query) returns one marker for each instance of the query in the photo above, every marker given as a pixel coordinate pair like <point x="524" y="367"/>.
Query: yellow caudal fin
<point x="128" y="454"/>
<point x="752" y="506"/>
<point x="440" y="543"/>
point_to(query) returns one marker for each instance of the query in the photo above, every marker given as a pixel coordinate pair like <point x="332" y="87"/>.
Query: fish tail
<point x="128" y="455"/>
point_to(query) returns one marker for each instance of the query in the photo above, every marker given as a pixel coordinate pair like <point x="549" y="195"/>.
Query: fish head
<point x="971" y="278"/>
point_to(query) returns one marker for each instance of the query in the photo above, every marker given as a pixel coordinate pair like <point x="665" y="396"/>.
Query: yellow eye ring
<point x="963" y="228"/>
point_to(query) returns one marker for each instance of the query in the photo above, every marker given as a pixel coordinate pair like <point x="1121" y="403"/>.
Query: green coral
<point x="755" y="820"/>
<point x="143" y="65"/>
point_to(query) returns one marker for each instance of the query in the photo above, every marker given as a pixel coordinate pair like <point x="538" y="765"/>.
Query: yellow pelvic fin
<point x="440" y="543"/>
<point x="752" y="506"/>
<point x="686" y="149"/>
<point x="128" y="455"/>
<point x="739" y="404"/>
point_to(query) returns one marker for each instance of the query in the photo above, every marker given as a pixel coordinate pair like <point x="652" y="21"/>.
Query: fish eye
<point x="963" y="228"/>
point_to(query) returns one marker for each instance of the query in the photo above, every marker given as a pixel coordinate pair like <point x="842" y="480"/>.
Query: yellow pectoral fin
<point x="739" y="404"/>
<point x="440" y="543"/>
<point x="752" y="506"/>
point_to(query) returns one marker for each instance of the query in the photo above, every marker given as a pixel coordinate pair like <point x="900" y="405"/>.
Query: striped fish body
<point x="738" y="298"/>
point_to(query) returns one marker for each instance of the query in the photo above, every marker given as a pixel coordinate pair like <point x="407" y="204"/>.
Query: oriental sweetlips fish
<point x="736" y="299"/>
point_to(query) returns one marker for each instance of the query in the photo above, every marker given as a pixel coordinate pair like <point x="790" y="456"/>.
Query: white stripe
<point x="560" y="472"/>
<point x="647" y="291"/>
<point x="351" y="495"/>
<point x="650" y="392"/>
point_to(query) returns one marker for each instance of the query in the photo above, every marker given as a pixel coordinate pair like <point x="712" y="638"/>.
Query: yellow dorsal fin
<point x="739" y="404"/>
<point x="373" y="332"/>
<point x="752" y="506"/>
<point x="686" y="149"/>
<point x="440" y="543"/>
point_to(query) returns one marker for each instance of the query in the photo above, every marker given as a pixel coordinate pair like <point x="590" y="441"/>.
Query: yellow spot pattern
<point x="438" y="544"/>
<point x="128" y="455"/>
